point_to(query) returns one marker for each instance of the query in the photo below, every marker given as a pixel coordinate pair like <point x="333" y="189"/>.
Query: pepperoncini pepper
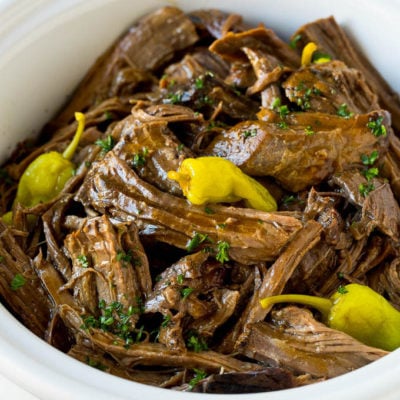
<point x="356" y="310"/>
<point x="46" y="175"/>
<point x="308" y="53"/>
<point x="215" y="179"/>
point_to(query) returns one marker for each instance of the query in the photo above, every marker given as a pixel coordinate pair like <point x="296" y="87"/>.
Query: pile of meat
<point x="120" y="270"/>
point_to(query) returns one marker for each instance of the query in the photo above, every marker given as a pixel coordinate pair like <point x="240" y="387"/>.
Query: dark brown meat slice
<point x="298" y="159"/>
<point x="386" y="281"/>
<point x="332" y="39"/>
<point x="230" y="46"/>
<point x="20" y="287"/>
<point x="104" y="267"/>
<point x="216" y="22"/>
<point x="101" y="361"/>
<point x="379" y="209"/>
<point x="112" y="186"/>
<point x="195" y="64"/>
<point x="151" y="42"/>
<point x="209" y="94"/>
<point x="266" y="380"/>
<point x="151" y="148"/>
<point x="267" y="69"/>
<point x="298" y="342"/>
<point x="150" y="354"/>
<point x="54" y="233"/>
<point x="274" y="282"/>
<point x="326" y="87"/>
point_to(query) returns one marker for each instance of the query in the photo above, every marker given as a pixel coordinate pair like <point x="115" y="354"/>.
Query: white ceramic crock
<point x="45" y="48"/>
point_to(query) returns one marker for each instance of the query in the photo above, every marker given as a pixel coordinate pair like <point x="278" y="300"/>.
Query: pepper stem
<point x="70" y="150"/>
<point x="321" y="304"/>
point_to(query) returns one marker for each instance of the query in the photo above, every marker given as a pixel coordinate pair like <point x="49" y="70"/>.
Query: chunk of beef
<point x="230" y="46"/>
<point x="106" y="264"/>
<point x="296" y="156"/>
<point x="273" y="282"/>
<point x="150" y="43"/>
<point x="216" y="22"/>
<point x="296" y="341"/>
<point x="150" y="354"/>
<point x="20" y="287"/>
<point x="195" y="64"/>
<point x="266" y="380"/>
<point x="326" y="87"/>
<point x="151" y="149"/>
<point x="113" y="187"/>
<point x="379" y="208"/>
<point x="333" y="40"/>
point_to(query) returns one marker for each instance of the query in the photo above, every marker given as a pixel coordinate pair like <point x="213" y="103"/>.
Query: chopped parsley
<point x="294" y="41"/>
<point x="369" y="159"/>
<point x="344" y="112"/>
<point x="249" y="133"/>
<point x="166" y="321"/>
<point x="199" y="375"/>
<point x="196" y="241"/>
<point x="366" y="188"/>
<point x="308" y="130"/>
<point x="342" y="290"/>
<point x="83" y="261"/>
<point x="209" y="210"/>
<point x="17" y="282"/>
<point x="185" y="292"/>
<point x="180" y="279"/>
<point x="122" y="256"/>
<point x="222" y="254"/>
<point x="139" y="159"/>
<point x="106" y="144"/>
<point x="199" y="82"/>
<point x="371" y="173"/>
<point x="1" y="258"/>
<point x="95" y="364"/>
<point x="196" y="343"/>
<point x="288" y="199"/>
<point x="282" y="125"/>
<point x="377" y="127"/>
<point x="180" y="147"/>
<point x="116" y="320"/>
<point x="174" y="98"/>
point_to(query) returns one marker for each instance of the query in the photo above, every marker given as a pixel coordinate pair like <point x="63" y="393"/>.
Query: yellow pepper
<point x="308" y="53"/>
<point x="356" y="310"/>
<point x="215" y="179"/>
<point x="46" y="175"/>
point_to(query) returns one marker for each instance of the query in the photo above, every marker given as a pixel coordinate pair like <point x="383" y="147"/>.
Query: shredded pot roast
<point x="121" y="271"/>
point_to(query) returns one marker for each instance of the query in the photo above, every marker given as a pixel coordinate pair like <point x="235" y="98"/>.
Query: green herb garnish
<point x="185" y="292"/>
<point x="17" y="282"/>
<point x="199" y="83"/>
<point x="369" y="159"/>
<point x="294" y="41"/>
<point x="95" y="364"/>
<point x="199" y="375"/>
<point x="179" y="279"/>
<point x="366" y="188"/>
<point x="139" y="159"/>
<point x="83" y="260"/>
<point x="197" y="239"/>
<point x="249" y="133"/>
<point x="377" y="127"/>
<point x="222" y="254"/>
<point x="344" y="112"/>
<point x="342" y="290"/>
<point x="106" y="144"/>
<point x="308" y="130"/>
<point x="196" y="343"/>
